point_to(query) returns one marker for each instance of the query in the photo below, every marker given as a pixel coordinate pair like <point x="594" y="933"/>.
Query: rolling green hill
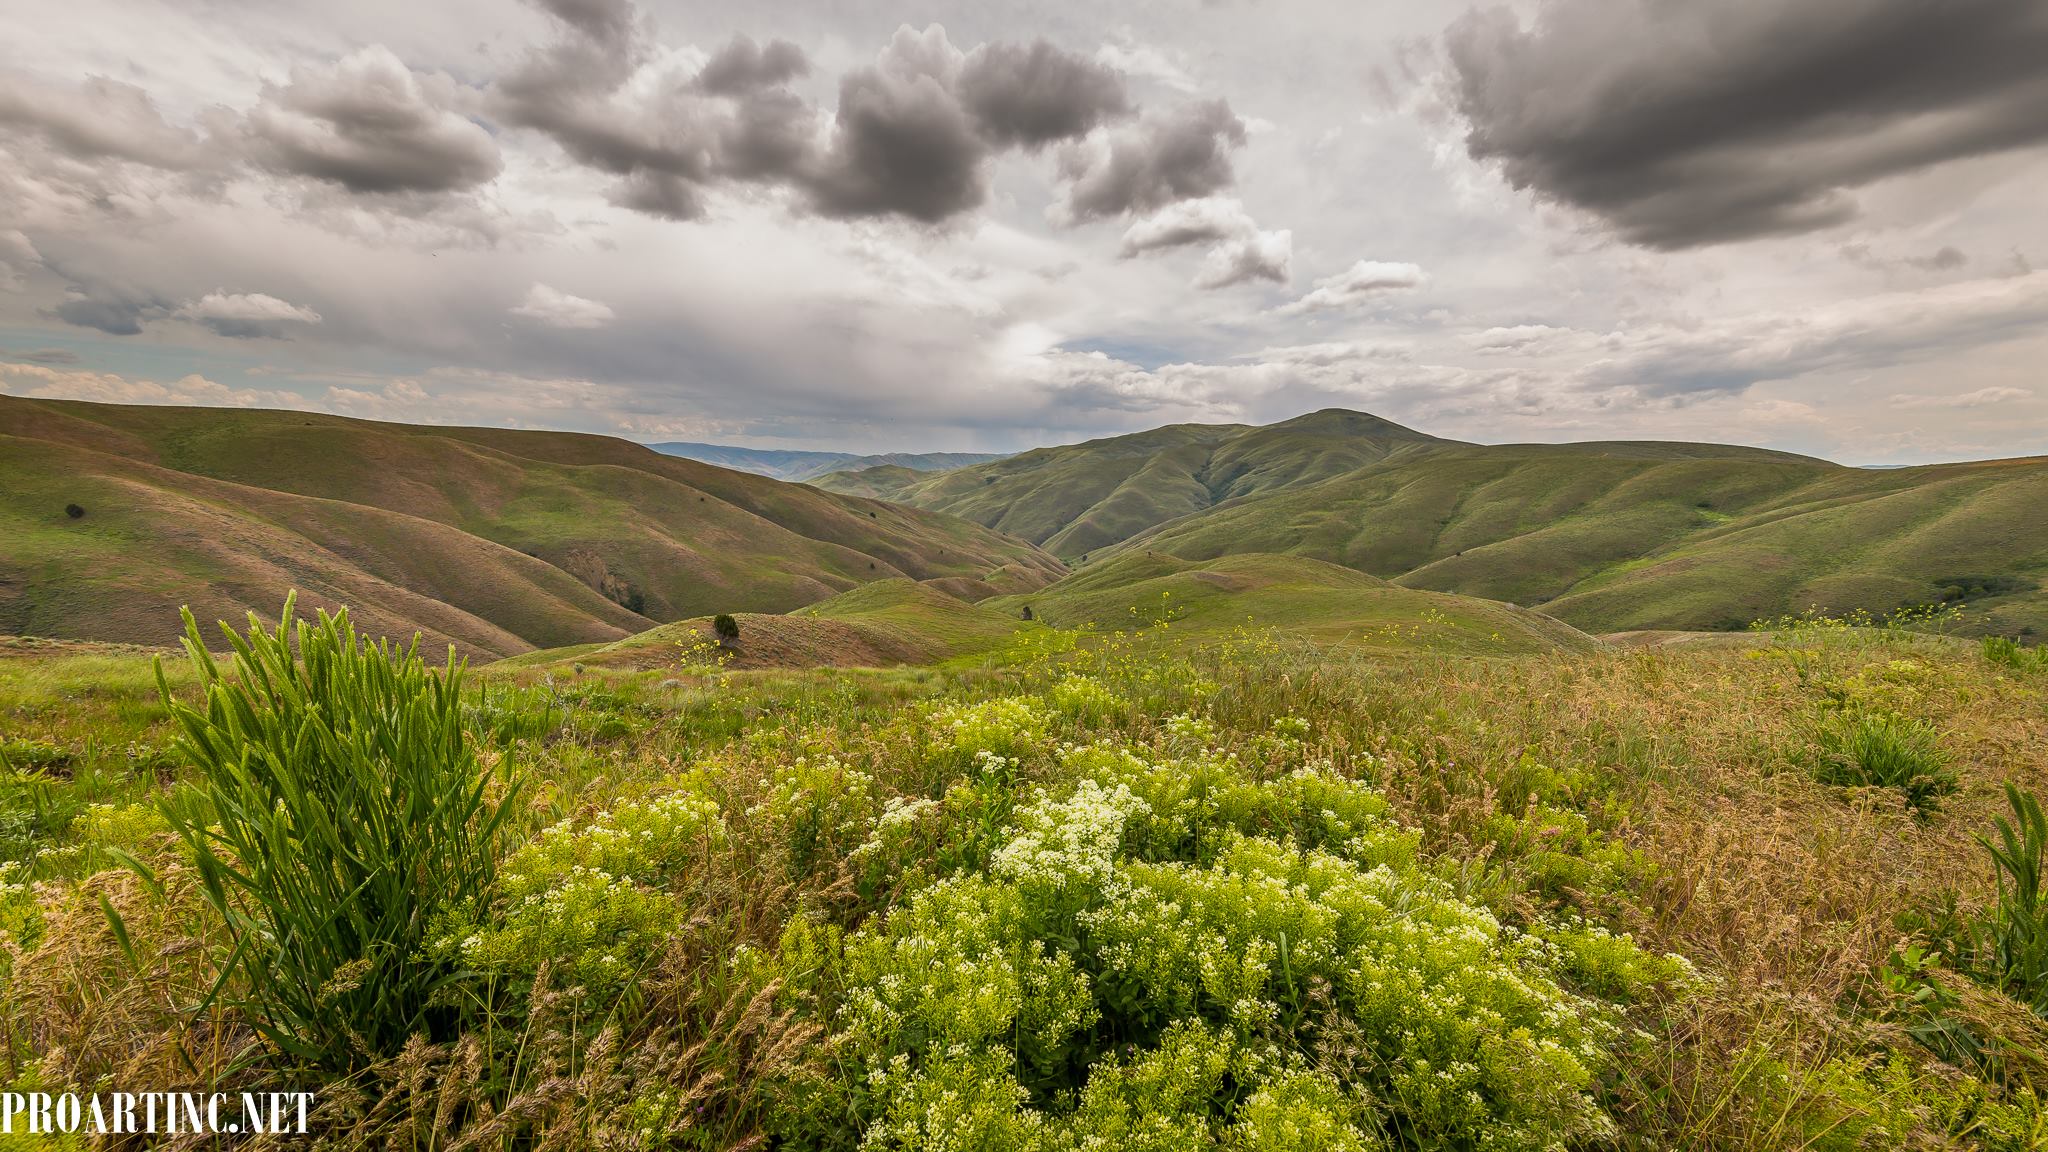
<point x="885" y="623"/>
<point x="1608" y="540"/>
<point x="1606" y="536"/>
<point x="1291" y="595"/>
<point x="497" y="541"/>
<point x="1078" y="499"/>
<point x="904" y="621"/>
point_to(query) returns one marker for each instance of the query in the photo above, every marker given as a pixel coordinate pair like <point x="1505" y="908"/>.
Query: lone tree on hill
<point x="73" y="511"/>
<point x="727" y="628"/>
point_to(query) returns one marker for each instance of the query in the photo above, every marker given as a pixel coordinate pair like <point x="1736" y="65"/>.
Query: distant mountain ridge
<point x="799" y="466"/>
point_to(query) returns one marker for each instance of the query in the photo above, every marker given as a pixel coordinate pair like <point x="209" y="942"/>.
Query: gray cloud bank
<point x="912" y="136"/>
<point x="1690" y="122"/>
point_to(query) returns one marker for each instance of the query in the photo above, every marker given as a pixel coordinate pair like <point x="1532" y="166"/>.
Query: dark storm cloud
<point x="903" y="143"/>
<point x="110" y="314"/>
<point x="612" y="21"/>
<point x="1032" y="95"/>
<point x="669" y="141"/>
<point x="101" y="119"/>
<point x="1690" y="122"/>
<point x="915" y="133"/>
<point x="369" y="124"/>
<point x="912" y="136"/>
<point x="744" y="66"/>
<point x="1180" y="156"/>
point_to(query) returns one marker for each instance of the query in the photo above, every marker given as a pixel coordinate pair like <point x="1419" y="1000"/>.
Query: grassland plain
<point x="1166" y="888"/>
<point x="497" y="541"/>
<point x="1606" y="536"/>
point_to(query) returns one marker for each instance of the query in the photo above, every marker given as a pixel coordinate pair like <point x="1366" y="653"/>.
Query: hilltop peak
<point x="1347" y="422"/>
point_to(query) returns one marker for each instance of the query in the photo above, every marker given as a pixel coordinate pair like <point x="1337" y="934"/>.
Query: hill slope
<point x="497" y="541"/>
<point x="885" y="623"/>
<point x="1078" y="499"/>
<point x="1606" y="536"/>
<point x="1292" y="596"/>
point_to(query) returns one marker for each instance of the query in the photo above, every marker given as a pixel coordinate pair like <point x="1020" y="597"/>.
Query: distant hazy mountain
<point x="801" y="466"/>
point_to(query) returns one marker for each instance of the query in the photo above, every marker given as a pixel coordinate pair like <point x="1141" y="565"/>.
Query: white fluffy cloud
<point x="1238" y="251"/>
<point x="43" y="381"/>
<point x="558" y="309"/>
<point x="246" y="314"/>
<point x="1364" y="281"/>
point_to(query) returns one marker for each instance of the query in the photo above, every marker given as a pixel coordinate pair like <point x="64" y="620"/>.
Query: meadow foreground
<point x="1096" y="890"/>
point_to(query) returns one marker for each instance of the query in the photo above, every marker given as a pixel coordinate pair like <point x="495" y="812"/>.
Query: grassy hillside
<point x="1080" y="498"/>
<point x="892" y="622"/>
<point x="886" y="623"/>
<point x="1609" y="537"/>
<point x="498" y="541"/>
<point x="1298" y="597"/>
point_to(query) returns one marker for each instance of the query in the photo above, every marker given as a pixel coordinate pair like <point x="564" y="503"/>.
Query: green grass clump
<point x="2005" y="651"/>
<point x="1869" y="749"/>
<point x="2013" y="934"/>
<point x="338" y="808"/>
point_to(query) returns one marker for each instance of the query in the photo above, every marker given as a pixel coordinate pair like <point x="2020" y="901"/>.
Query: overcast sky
<point x="1805" y="224"/>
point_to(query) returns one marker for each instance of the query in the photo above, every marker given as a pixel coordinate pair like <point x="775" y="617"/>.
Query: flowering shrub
<point x="1084" y="698"/>
<point x="591" y="901"/>
<point x="1146" y="958"/>
<point x="1010" y="726"/>
<point x="821" y="806"/>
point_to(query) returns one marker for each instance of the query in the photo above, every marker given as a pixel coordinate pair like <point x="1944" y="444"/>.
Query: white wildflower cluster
<point x="1190" y="732"/>
<point x="128" y="827"/>
<point x="820" y="806"/>
<point x="1070" y="846"/>
<point x="1291" y="728"/>
<point x="647" y="841"/>
<point x="595" y="930"/>
<point x="807" y="781"/>
<point x="901" y="818"/>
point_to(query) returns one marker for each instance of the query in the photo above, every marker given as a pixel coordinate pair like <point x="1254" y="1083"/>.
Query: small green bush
<point x="342" y="809"/>
<point x="2009" y="653"/>
<point x="590" y="902"/>
<point x="1013" y="727"/>
<point x="1868" y="749"/>
<point x="725" y="628"/>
